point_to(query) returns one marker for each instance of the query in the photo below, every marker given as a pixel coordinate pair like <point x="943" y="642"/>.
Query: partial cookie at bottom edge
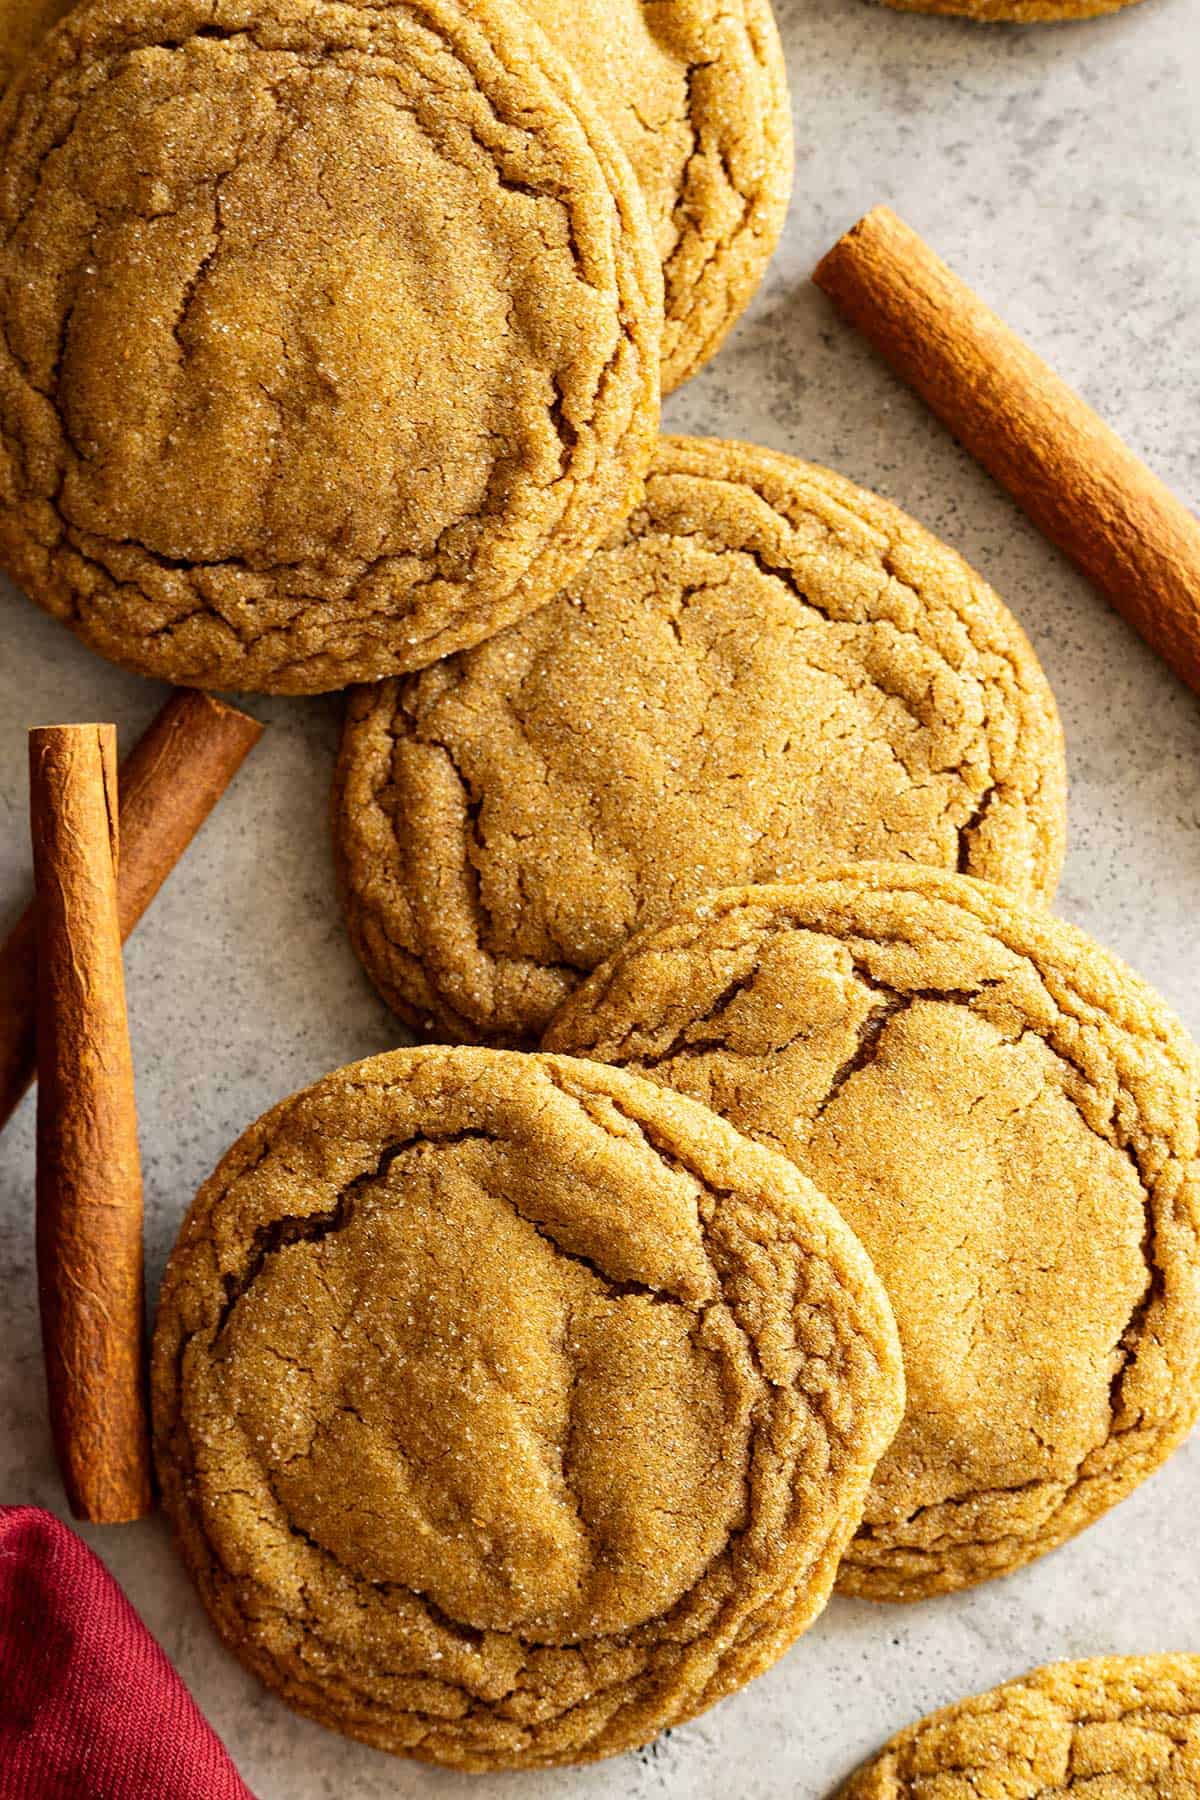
<point x="1125" y="1727"/>
<point x="1013" y="12"/>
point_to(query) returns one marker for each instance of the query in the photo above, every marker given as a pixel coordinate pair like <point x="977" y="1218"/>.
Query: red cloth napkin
<point x="90" y="1708"/>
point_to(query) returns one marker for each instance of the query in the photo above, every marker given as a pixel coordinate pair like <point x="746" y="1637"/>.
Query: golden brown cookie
<point x="1115" y="1728"/>
<point x="23" y="23"/>
<point x="695" y="91"/>
<point x="509" y="1409"/>
<point x="768" y="667"/>
<point x="1014" y="12"/>
<point x="1007" y="1118"/>
<point x="328" y="333"/>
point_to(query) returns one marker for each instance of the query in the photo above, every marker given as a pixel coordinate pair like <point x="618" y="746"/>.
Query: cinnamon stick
<point x="1078" y="482"/>
<point x="89" y="1182"/>
<point x="169" y="783"/>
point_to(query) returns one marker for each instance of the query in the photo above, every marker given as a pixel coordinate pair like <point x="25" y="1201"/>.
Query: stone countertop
<point x="1056" y="168"/>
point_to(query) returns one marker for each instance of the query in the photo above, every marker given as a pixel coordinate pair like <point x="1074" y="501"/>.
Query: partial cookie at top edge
<point x="1008" y="1118"/>
<point x="769" y="667"/>
<point x="355" y="449"/>
<point x="679" y="1359"/>
<point x="696" y="94"/>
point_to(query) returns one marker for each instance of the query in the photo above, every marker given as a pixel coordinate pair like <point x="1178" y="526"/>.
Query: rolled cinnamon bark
<point x="1078" y="482"/>
<point x="169" y="783"/>
<point x="89" y="1182"/>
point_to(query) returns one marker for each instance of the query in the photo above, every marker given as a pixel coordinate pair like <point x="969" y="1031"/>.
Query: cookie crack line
<point x="886" y="557"/>
<point x="314" y="1228"/>
<point x="897" y="999"/>
<point x="871" y="1034"/>
<point x="774" y="570"/>
<point x="670" y="1153"/>
<point x="282" y="1232"/>
<point x="968" y="830"/>
<point x="471" y="1636"/>
<point x="870" y="1044"/>
<point x="704" y="301"/>
<point x="474" y="802"/>
<point x="317" y="1227"/>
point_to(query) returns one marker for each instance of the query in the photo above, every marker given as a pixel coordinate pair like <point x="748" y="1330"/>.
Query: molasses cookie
<point x="696" y="94"/>
<point x="1118" y="1728"/>
<point x="768" y="667"/>
<point x="1007" y="1118"/>
<point x="1015" y="12"/>
<point x="329" y="333"/>
<point x="24" y="23"/>
<point x="509" y="1409"/>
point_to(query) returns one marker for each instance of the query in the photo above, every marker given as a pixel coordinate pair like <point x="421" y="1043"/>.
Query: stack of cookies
<point x="785" y="1198"/>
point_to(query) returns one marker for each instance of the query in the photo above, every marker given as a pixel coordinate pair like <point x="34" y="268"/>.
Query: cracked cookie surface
<point x="695" y="92"/>
<point x="768" y="667"/>
<point x="23" y="24"/>
<point x="1112" y="1728"/>
<point x="509" y="1409"/>
<point x="1013" y="12"/>
<point x="1007" y="1118"/>
<point x="265" y="421"/>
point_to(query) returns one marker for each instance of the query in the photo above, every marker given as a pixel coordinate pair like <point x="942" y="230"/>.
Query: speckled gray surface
<point x="1057" y="168"/>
